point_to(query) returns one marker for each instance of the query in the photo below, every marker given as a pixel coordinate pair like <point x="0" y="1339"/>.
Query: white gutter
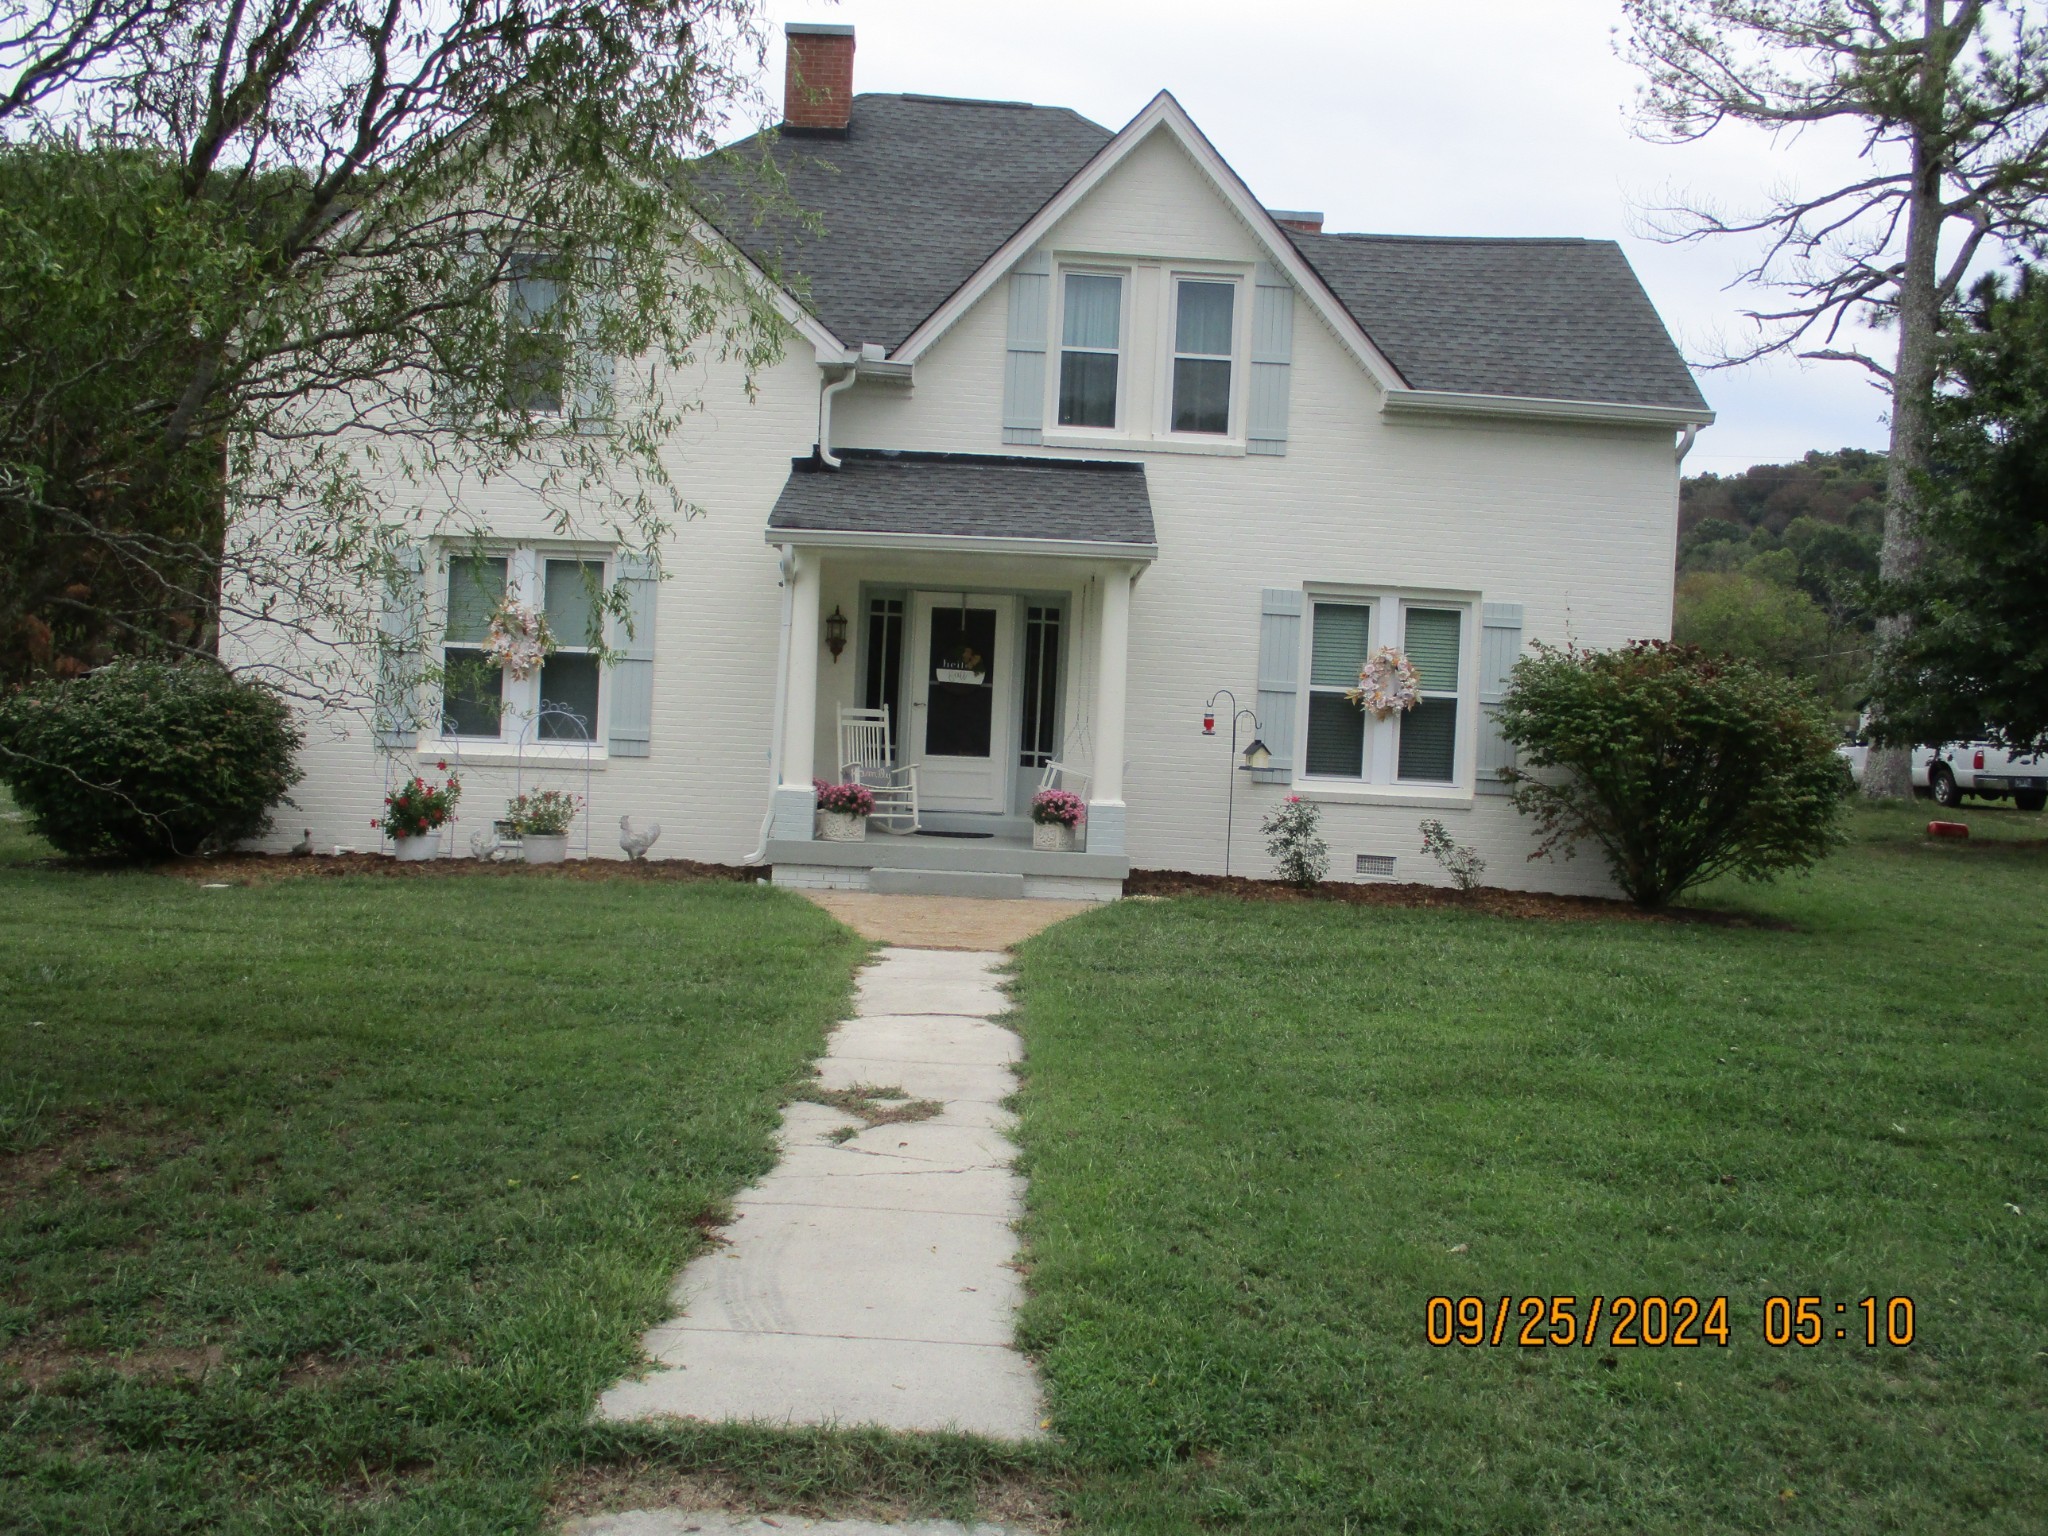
<point x="1457" y="403"/>
<point x="844" y="381"/>
<point x="786" y="563"/>
<point x="963" y="543"/>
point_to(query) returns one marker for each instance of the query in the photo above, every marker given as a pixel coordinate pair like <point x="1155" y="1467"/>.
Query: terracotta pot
<point x="842" y="827"/>
<point x="544" y="847"/>
<point x="1052" y="837"/>
<point x="411" y="850"/>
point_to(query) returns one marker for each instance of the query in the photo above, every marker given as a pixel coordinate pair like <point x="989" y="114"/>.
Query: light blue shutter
<point x="632" y="676"/>
<point x="1500" y="643"/>
<point x="1272" y="361"/>
<point x="395" y="719"/>
<point x="1279" y="679"/>
<point x="1024" y="362"/>
<point x="593" y="367"/>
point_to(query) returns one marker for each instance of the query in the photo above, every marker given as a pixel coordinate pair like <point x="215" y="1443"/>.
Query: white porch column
<point x="795" y="800"/>
<point x="1112" y="665"/>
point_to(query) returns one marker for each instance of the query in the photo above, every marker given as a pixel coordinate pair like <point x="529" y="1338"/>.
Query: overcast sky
<point x="1467" y="117"/>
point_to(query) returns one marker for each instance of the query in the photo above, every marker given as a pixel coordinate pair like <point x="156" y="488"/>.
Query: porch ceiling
<point x="968" y="501"/>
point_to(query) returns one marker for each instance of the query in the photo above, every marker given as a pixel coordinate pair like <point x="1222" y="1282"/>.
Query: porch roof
<point x="881" y="499"/>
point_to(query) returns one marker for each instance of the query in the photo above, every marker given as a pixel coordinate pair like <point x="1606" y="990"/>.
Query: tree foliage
<point x="1678" y="765"/>
<point x="267" y="261"/>
<point x="147" y="759"/>
<point x="1975" y="661"/>
<point x="1950" y="98"/>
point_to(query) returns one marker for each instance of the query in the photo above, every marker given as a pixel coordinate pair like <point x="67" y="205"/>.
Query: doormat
<point x="934" y="832"/>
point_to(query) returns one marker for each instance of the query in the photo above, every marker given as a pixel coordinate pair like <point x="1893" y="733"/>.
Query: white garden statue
<point x="636" y="844"/>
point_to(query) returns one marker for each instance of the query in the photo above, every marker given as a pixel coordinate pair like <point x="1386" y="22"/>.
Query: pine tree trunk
<point x="1887" y="773"/>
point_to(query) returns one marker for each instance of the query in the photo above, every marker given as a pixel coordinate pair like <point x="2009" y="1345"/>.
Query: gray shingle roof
<point x="917" y="196"/>
<point x="957" y="495"/>
<point x="1547" y="319"/>
<point x="922" y="190"/>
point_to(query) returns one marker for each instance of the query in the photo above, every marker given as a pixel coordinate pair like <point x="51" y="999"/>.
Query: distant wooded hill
<point x="1776" y="563"/>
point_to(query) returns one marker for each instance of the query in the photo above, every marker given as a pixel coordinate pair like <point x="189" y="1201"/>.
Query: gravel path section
<point x="944" y="922"/>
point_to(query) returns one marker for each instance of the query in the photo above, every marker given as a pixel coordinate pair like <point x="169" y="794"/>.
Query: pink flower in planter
<point x="1058" y="807"/>
<point x="846" y="799"/>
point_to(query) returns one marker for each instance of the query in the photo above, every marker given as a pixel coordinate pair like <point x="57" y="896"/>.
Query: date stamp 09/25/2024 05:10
<point x="1666" y="1322"/>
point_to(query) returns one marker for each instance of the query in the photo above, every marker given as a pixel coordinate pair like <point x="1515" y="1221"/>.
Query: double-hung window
<point x="1203" y="335"/>
<point x="1417" y="746"/>
<point x="1091" y="339"/>
<point x="536" y="351"/>
<point x="558" y="702"/>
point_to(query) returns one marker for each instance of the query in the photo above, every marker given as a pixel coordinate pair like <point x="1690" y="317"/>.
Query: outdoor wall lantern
<point x="835" y="632"/>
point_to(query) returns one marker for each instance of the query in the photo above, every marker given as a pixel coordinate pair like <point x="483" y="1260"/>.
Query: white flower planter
<point x="1052" y="837"/>
<point x="544" y="847"/>
<point x="842" y="827"/>
<point x="412" y="850"/>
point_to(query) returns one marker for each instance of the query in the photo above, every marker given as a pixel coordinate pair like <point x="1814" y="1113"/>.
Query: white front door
<point x="963" y="699"/>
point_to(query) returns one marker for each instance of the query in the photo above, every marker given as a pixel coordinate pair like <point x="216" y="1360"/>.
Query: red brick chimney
<point x="817" y="77"/>
<point x="1298" y="219"/>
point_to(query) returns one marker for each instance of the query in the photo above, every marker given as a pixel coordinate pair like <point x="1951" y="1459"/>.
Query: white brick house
<point x="1075" y="401"/>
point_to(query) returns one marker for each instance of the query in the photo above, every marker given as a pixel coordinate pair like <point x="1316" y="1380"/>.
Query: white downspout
<point x="1692" y="432"/>
<point x="785" y="561"/>
<point x="844" y="381"/>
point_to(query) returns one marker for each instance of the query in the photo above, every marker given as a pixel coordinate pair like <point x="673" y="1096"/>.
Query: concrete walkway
<point x="676" y="1522"/>
<point x="868" y="1279"/>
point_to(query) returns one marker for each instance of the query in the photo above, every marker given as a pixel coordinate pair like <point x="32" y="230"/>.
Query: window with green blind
<point x="1429" y="732"/>
<point x="472" y="690"/>
<point x="559" y="701"/>
<point x="1339" y="640"/>
<point x="572" y="592"/>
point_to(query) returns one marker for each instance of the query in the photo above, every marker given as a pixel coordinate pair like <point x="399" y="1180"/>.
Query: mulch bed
<point x="263" y="868"/>
<point x="1487" y="899"/>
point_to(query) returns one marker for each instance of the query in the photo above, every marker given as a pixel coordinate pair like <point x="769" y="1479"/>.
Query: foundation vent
<point x="1378" y="865"/>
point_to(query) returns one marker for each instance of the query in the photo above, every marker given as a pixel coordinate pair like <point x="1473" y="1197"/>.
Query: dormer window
<point x="1203" y="338"/>
<point x="1091" y="338"/>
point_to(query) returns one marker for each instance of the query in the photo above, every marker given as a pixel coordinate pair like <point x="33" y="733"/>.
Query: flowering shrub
<point x="543" y="813"/>
<point x="1460" y="862"/>
<point x="419" y="807"/>
<point x="1294" y="838"/>
<point x="519" y="639"/>
<point x="846" y="799"/>
<point x="1679" y="766"/>
<point x="1058" y="808"/>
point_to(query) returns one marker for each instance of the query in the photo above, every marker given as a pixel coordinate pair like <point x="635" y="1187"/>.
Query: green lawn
<point x="1259" y="1137"/>
<point x="329" y="1205"/>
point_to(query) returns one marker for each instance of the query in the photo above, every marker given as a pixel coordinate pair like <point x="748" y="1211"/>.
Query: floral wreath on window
<point x="1387" y="684"/>
<point x="519" y="639"/>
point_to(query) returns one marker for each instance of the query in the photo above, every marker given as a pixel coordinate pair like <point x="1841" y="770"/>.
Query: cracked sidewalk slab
<point x="871" y="1277"/>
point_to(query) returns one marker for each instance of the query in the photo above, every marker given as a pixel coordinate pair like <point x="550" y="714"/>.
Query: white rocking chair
<point x="1059" y="775"/>
<point x="867" y="756"/>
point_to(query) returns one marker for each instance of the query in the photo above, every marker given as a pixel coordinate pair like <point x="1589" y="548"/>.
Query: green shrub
<point x="147" y="758"/>
<point x="1681" y="766"/>
<point x="1294" y="838"/>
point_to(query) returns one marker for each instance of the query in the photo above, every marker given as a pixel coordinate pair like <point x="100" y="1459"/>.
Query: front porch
<point x="938" y="866"/>
<point x="983" y="606"/>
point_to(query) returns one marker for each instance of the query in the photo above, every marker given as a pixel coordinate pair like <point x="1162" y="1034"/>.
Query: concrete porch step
<point x="945" y="882"/>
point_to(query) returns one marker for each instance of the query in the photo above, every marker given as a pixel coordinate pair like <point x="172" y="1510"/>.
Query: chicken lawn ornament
<point x="636" y="844"/>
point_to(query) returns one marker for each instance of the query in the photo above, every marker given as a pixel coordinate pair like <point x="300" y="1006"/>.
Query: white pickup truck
<point x="1969" y="768"/>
